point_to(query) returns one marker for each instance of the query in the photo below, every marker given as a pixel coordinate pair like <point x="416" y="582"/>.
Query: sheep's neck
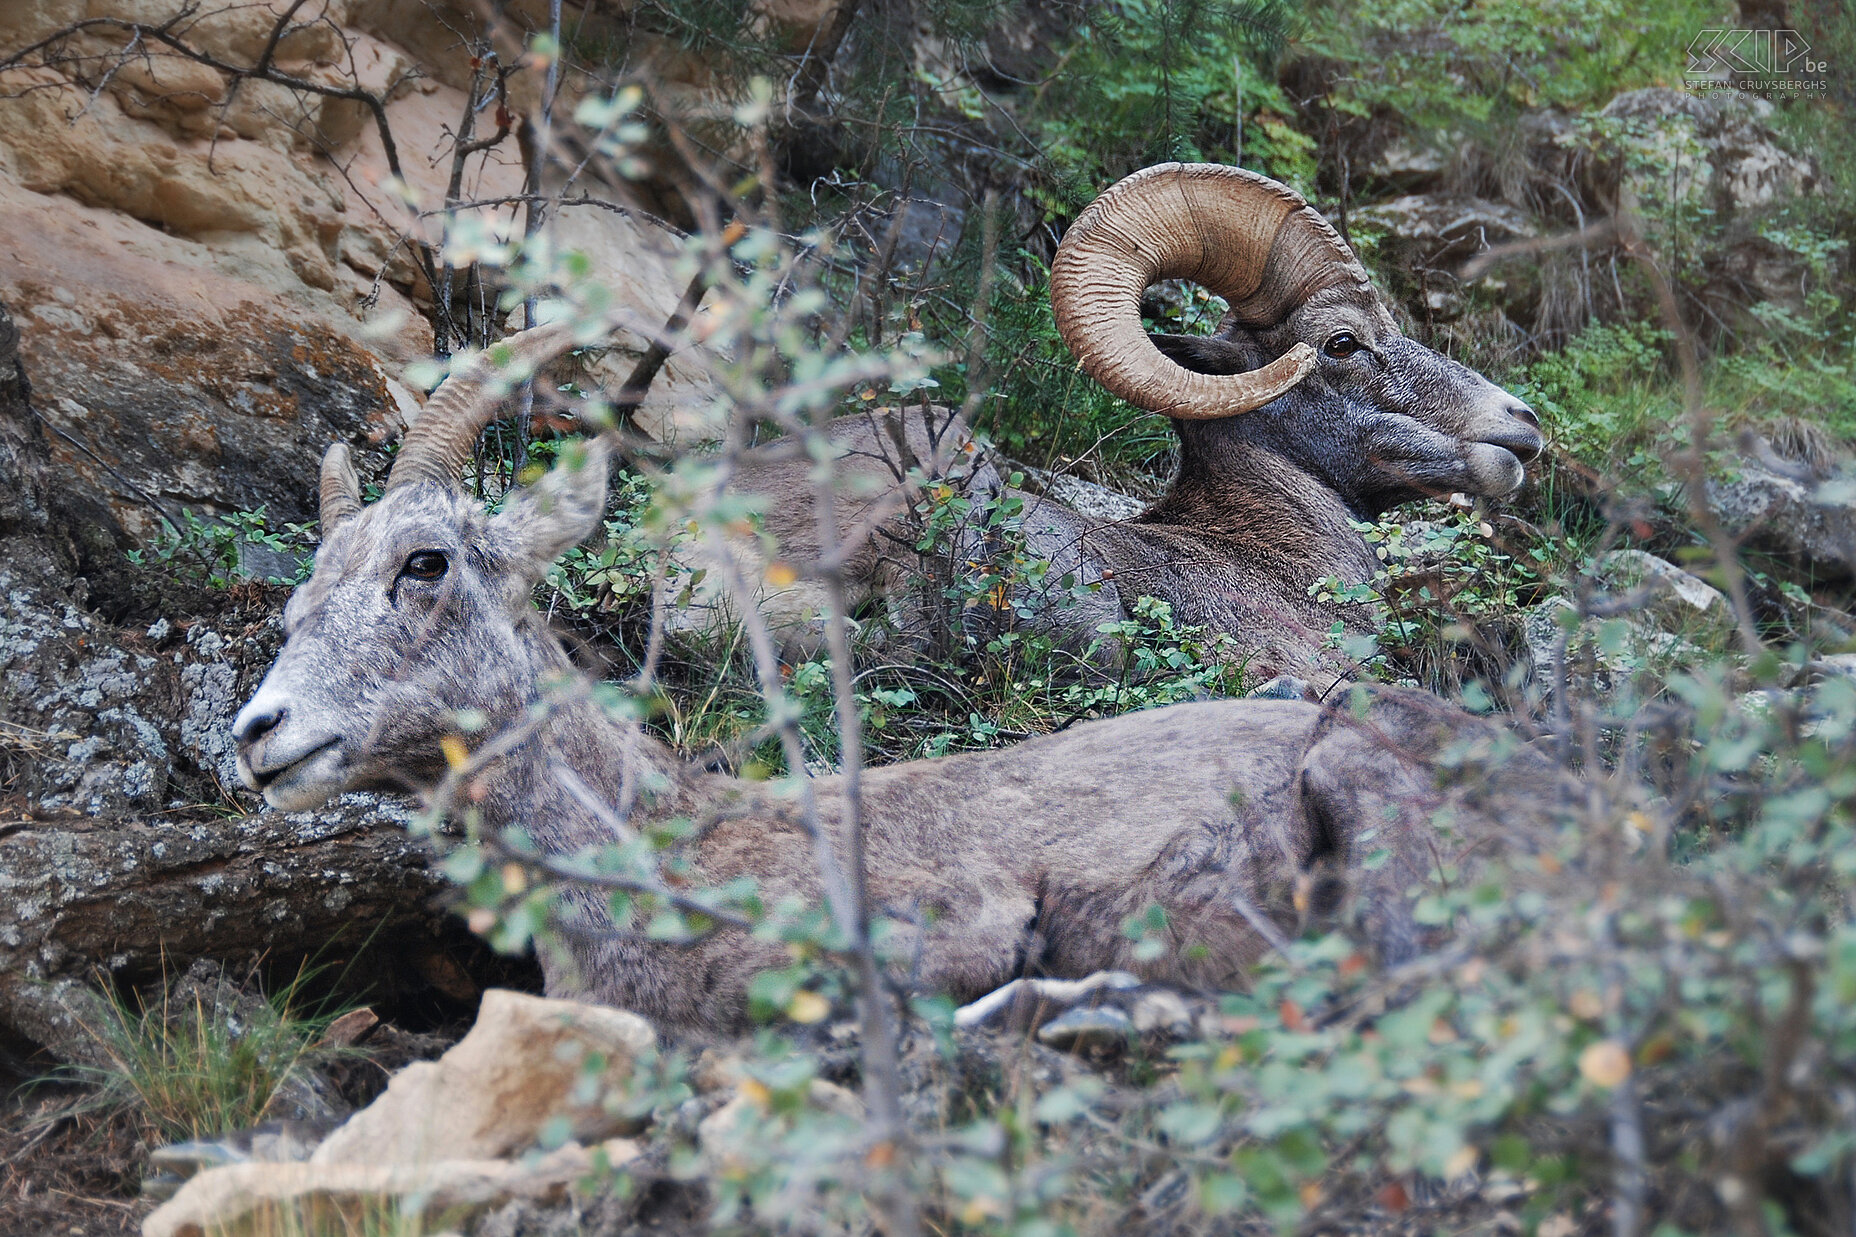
<point x="573" y="753"/>
<point x="1271" y="505"/>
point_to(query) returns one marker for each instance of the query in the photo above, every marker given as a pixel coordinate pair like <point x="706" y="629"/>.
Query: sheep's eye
<point x="1342" y="346"/>
<point x="425" y="565"/>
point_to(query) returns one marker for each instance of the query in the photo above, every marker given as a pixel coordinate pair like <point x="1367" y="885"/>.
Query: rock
<point x="257" y="561"/>
<point x="1676" y="598"/>
<point x="1098" y="502"/>
<point x="1718" y="149"/>
<point x="734" y="1135"/>
<point x="1447" y="224"/>
<point x="274" y="1142"/>
<point x="1404" y="160"/>
<point x="131" y="896"/>
<point x="1429" y="236"/>
<point x="528" y="1066"/>
<point x="99" y="720"/>
<point x="1807" y="518"/>
<point x="246" y="1200"/>
<point x="207" y="996"/>
<point x="1161" y="1012"/>
<point x="1284" y="687"/>
<point x="1102" y="1029"/>
<point x="215" y="284"/>
<point x="1835" y="665"/>
<point x="445" y="1136"/>
<point x="1619" y="649"/>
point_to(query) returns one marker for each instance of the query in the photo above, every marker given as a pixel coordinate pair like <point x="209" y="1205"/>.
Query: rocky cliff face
<point x="214" y="275"/>
<point x="125" y="844"/>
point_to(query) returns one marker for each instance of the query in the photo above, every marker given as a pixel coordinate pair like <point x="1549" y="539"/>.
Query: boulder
<point x="735" y="1137"/>
<point x="1602" y="656"/>
<point x="1088" y="1031"/>
<point x="214" y="284"/>
<point x="1797" y="514"/>
<point x="1098" y="502"/>
<point x="1429" y="236"/>
<point x="1442" y="226"/>
<point x="1675" y="598"/>
<point x="1716" y="150"/>
<point x="1656" y="618"/>
<point x="453" y="1137"/>
<point x="529" y="1067"/>
<point x="248" y="1200"/>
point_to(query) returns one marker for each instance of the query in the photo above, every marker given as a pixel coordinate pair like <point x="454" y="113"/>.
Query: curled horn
<point x="441" y="440"/>
<point x="1251" y="240"/>
<point x="340" y="488"/>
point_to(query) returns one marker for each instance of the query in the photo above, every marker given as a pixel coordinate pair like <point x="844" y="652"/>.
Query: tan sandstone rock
<point x="214" y="283"/>
<point x="242" y="1199"/>
<point x="528" y="1061"/>
<point x="449" y="1136"/>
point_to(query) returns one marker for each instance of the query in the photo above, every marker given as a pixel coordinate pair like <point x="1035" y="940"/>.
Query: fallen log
<point x="126" y="900"/>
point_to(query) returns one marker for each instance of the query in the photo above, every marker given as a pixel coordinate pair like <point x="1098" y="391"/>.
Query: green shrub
<point x="196" y="1068"/>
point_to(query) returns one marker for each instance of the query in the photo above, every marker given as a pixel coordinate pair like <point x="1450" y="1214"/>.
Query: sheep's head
<point x="1380" y="416"/>
<point x="419" y="608"/>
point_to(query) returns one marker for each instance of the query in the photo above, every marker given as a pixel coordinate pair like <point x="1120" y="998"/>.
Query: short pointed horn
<point x="341" y="488"/>
<point x="441" y="440"/>
<point x="1251" y="240"/>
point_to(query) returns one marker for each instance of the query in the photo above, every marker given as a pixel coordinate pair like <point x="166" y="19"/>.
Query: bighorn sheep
<point x="1232" y="816"/>
<point x="1306" y="411"/>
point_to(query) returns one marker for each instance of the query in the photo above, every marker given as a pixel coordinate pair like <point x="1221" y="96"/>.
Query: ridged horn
<point x="340" y="487"/>
<point x="1253" y="241"/>
<point x="441" y="440"/>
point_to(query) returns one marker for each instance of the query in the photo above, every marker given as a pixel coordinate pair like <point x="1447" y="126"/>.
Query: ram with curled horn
<point x="1305" y="412"/>
<point x="1238" y="818"/>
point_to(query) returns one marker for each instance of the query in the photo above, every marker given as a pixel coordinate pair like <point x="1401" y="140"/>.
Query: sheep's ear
<point x="560" y="510"/>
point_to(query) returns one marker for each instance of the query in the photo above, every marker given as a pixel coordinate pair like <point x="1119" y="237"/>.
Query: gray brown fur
<point x="876" y="480"/>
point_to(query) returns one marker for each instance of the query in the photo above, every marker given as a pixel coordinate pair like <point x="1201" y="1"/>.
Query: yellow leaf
<point x="515" y="879"/>
<point x="755" y="1092"/>
<point x="979" y="1210"/>
<point x="1605" y="1063"/>
<point x="1460" y="1162"/>
<point x="456" y="754"/>
<point x="808" y="1007"/>
<point x="781" y="575"/>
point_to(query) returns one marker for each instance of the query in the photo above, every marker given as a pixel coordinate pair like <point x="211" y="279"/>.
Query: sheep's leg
<point x="965" y="942"/>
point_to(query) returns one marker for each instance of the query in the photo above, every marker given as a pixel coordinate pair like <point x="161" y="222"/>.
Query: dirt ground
<point x="67" y="1174"/>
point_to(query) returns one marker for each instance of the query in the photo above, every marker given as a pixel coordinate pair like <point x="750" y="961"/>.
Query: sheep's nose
<point x="254" y="724"/>
<point x="1524" y="439"/>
